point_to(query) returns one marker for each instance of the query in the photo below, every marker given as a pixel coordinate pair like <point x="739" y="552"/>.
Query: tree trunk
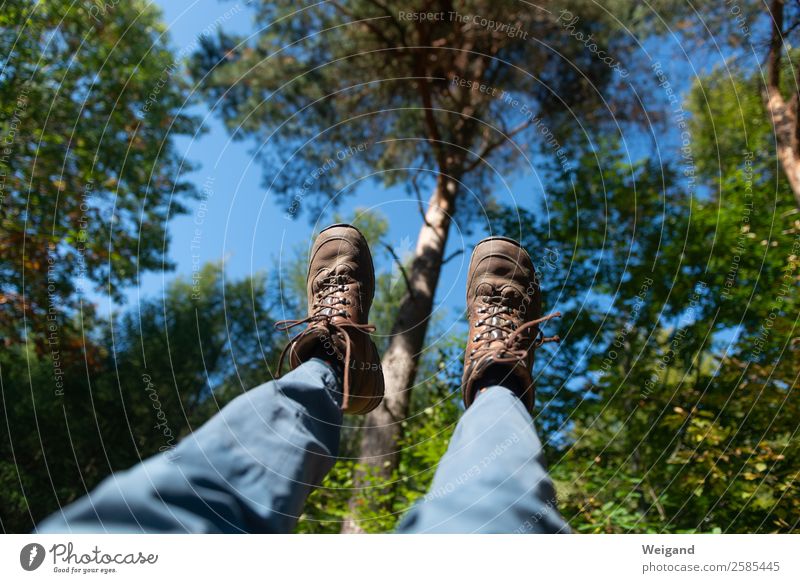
<point x="382" y="429"/>
<point x="784" y="116"/>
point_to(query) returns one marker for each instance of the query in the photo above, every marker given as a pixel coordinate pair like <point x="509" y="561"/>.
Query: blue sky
<point x="239" y="221"/>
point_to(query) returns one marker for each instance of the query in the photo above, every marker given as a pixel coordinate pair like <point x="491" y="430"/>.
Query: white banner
<point x="398" y="558"/>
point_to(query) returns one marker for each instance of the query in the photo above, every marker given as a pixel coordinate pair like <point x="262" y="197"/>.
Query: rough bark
<point x="783" y="117"/>
<point x="783" y="114"/>
<point x="382" y="429"/>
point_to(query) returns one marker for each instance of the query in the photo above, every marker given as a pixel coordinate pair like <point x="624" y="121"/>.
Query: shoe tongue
<point x="339" y="275"/>
<point x="485" y="290"/>
<point x="506" y="297"/>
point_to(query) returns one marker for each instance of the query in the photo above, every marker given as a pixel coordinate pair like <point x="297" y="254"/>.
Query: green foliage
<point x="427" y="432"/>
<point x="90" y="103"/>
<point x="671" y="404"/>
<point x="105" y="404"/>
<point x="750" y="223"/>
<point x="328" y="83"/>
<point x="680" y="415"/>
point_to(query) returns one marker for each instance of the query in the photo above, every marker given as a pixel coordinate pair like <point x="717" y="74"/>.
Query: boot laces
<point x="323" y="310"/>
<point x="497" y="322"/>
<point x="331" y="295"/>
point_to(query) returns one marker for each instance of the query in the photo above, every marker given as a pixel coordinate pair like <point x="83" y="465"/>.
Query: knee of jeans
<point x="317" y="400"/>
<point x="271" y="396"/>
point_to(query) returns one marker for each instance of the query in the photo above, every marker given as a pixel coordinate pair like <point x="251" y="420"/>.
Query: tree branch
<point x="656" y="501"/>
<point x="394" y="20"/>
<point x="420" y="204"/>
<point x="783" y="114"/>
<point x="401" y="266"/>
<point x="775" y="45"/>
<point x="420" y="71"/>
<point x="377" y="31"/>
<point x="453" y="255"/>
<point x="490" y="147"/>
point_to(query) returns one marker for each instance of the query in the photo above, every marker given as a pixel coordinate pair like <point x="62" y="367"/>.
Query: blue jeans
<point x="252" y="466"/>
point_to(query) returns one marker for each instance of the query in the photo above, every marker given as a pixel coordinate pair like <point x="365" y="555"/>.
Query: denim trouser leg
<point x="248" y="469"/>
<point x="492" y="478"/>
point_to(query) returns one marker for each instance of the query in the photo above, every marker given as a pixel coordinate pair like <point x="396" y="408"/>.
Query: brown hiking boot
<point x="504" y="307"/>
<point x="340" y="286"/>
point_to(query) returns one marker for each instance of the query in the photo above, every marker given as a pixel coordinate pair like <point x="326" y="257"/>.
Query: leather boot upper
<point x="504" y="309"/>
<point x="340" y="287"/>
